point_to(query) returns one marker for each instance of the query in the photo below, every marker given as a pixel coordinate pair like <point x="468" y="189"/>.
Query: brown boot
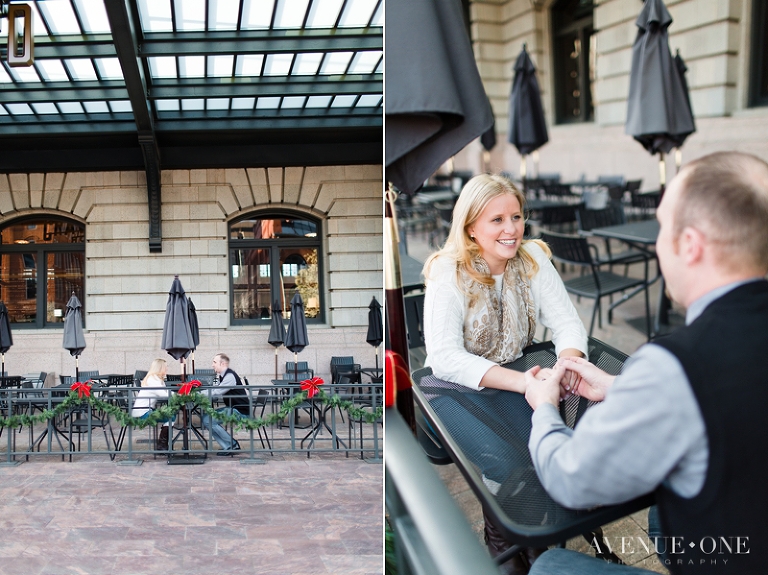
<point x="162" y="439"/>
<point x="533" y="553"/>
<point x="516" y="565"/>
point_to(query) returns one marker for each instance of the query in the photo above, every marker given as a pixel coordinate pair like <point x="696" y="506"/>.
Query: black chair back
<point x="569" y="249"/>
<point x="589" y="219"/>
<point x="414" y="319"/>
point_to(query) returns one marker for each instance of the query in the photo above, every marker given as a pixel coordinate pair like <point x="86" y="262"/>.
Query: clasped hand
<point x="570" y="376"/>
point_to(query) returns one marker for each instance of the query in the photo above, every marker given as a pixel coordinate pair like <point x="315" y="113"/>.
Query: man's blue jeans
<point x="224" y="439"/>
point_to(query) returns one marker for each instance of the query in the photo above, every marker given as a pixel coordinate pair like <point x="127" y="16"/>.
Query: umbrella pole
<point x="522" y="174"/>
<point x="678" y="159"/>
<point x="662" y="174"/>
<point x="296" y="366"/>
<point x="395" y="307"/>
<point x="77" y="368"/>
<point x="3" y="372"/>
<point x="193" y="363"/>
<point x="276" y="350"/>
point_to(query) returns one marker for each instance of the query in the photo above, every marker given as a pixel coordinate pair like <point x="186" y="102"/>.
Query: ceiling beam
<point x="261" y="42"/>
<point x="123" y="21"/>
<point x="266" y="86"/>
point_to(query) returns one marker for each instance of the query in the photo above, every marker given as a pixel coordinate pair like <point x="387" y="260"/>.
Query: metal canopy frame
<point x="179" y="84"/>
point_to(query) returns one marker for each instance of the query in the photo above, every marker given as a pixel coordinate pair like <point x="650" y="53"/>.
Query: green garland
<point x="178" y="401"/>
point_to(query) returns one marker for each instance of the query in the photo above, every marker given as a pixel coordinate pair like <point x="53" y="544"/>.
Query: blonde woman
<point x="152" y="389"/>
<point x="486" y="291"/>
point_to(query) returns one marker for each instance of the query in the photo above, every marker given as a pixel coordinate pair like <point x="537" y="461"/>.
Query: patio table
<point x="642" y="236"/>
<point x="518" y="505"/>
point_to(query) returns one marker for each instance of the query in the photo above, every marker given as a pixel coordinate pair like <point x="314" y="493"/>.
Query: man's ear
<point x="691" y="244"/>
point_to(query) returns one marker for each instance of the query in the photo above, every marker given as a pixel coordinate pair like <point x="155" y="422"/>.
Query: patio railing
<point x="54" y="421"/>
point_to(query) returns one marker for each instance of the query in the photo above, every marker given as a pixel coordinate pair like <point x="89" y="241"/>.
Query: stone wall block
<point x="180" y="177"/>
<point x="236" y="177"/>
<point x="129" y="178"/>
<point x="275" y="178"/>
<point x="67" y="199"/>
<point x="244" y="196"/>
<point x="226" y="197"/>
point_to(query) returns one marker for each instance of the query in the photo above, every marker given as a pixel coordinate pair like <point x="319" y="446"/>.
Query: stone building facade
<point x="716" y="38"/>
<point x="126" y="287"/>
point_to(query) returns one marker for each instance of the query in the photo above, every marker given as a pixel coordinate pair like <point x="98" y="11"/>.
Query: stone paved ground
<point x="292" y="515"/>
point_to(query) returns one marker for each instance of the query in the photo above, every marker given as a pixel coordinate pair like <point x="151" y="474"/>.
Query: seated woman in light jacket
<point x="152" y="389"/>
<point x="486" y="291"/>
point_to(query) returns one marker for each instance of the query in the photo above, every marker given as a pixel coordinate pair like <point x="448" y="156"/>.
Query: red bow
<point x="312" y="386"/>
<point x="82" y="389"/>
<point x="186" y="388"/>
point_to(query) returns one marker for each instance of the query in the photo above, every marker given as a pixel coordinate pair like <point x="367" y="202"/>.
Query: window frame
<point x="42" y="250"/>
<point x="274" y="246"/>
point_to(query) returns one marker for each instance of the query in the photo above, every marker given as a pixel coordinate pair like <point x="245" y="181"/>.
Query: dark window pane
<point x="266" y="229"/>
<point x="65" y="274"/>
<point x="250" y="284"/>
<point x="43" y="232"/>
<point x="299" y="273"/>
<point x="759" y="68"/>
<point x="574" y="65"/>
<point x="18" y="286"/>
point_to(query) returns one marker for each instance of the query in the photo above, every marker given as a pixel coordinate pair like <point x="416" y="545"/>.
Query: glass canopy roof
<point x="206" y="82"/>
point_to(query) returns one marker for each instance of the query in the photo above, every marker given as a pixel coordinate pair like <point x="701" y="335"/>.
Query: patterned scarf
<point x="499" y="328"/>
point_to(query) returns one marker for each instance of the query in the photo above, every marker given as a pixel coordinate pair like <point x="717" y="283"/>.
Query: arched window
<point x="42" y="261"/>
<point x="573" y="55"/>
<point x="273" y="256"/>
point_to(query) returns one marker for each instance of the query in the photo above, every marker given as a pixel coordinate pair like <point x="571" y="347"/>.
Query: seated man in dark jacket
<point x="236" y="401"/>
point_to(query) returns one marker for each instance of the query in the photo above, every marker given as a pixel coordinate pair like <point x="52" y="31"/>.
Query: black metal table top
<point x="643" y="232"/>
<point x="518" y="504"/>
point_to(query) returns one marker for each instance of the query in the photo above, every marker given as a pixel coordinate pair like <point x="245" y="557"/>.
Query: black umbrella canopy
<point x="6" y="338"/>
<point x="177" y="334"/>
<point x="277" y="330"/>
<point x="681" y="70"/>
<point x="488" y="138"/>
<point x="435" y="103"/>
<point x="658" y="112"/>
<point x="194" y="326"/>
<point x="375" y="330"/>
<point x="527" y="125"/>
<point x="296" y="338"/>
<point x="74" y="340"/>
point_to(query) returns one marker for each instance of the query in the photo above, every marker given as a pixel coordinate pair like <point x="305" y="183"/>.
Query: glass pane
<point x="64" y="275"/>
<point x="18" y="286"/>
<point x="265" y="229"/>
<point x="43" y="232"/>
<point x="298" y="272"/>
<point x="250" y="284"/>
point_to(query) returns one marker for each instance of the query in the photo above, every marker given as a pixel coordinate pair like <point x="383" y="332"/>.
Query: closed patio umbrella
<point x="74" y="340"/>
<point x="527" y="125"/>
<point x="375" y="331"/>
<point x="435" y="104"/>
<point x="680" y="138"/>
<point x="277" y="330"/>
<point x="177" y="333"/>
<point x="658" y="112"/>
<point x="194" y="329"/>
<point x="296" y="338"/>
<point x="6" y="338"/>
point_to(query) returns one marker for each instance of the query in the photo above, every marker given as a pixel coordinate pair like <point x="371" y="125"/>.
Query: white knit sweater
<point x="445" y="306"/>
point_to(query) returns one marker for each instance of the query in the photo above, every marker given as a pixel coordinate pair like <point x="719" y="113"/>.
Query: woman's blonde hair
<point x="459" y="247"/>
<point x="157" y="368"/>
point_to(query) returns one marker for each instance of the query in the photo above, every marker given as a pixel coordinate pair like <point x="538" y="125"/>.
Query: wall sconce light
<point x="21" y="44"/>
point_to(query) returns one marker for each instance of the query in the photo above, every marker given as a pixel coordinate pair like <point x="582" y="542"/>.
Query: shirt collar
<point x="698" y="306"/>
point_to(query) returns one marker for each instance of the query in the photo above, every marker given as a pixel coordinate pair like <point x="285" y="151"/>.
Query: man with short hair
<point x="686" y="416"/>
<point x="236" y="401"/>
